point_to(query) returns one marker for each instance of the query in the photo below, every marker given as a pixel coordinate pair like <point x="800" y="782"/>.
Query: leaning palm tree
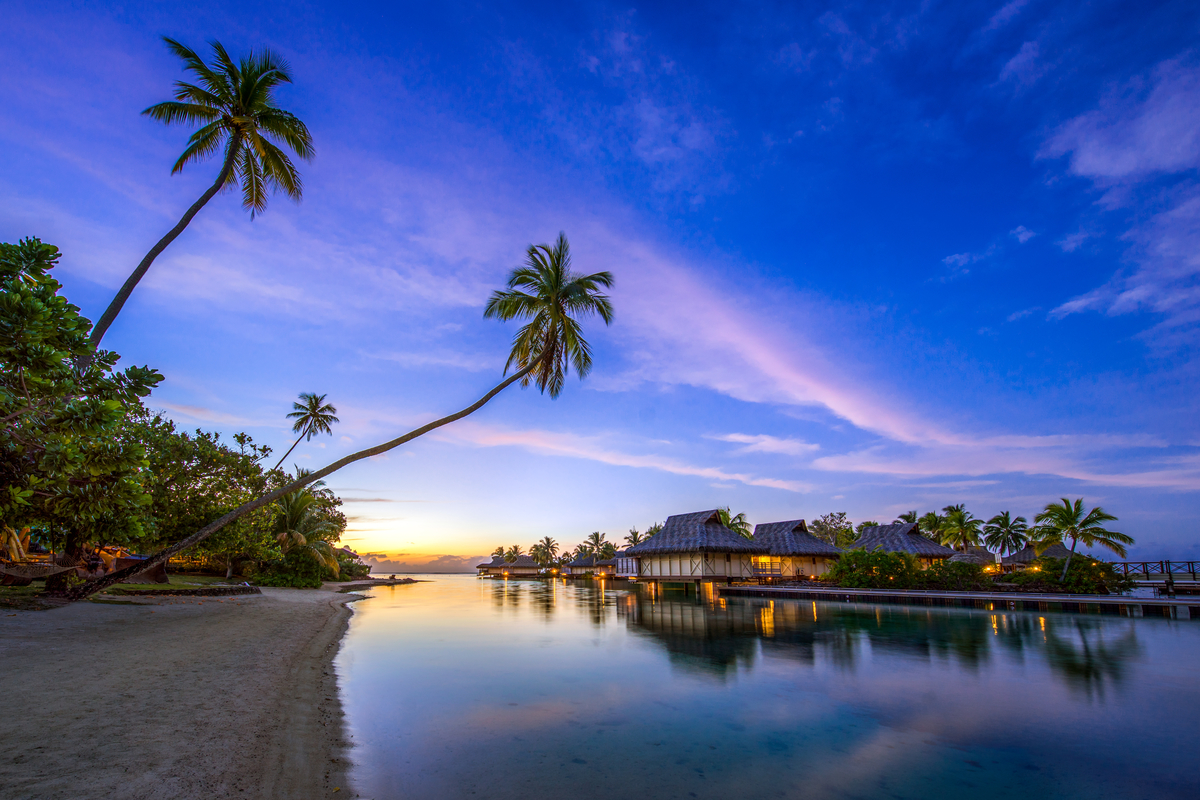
<point x="234" y="105"/>
<point x="513" y="553"/>
<point x="735" y="522"/>
<point x="932" y="524"/>
<point x="634" y="538"/>
<point x="1006" y="534"/>
<point x="548" y="293"/>
<point x="541" y="353"/>
<point x="299" y="526"/>
<point x="1066" y="520"/>
<point x="313" y="416"/>
<point x="961" y="528"/>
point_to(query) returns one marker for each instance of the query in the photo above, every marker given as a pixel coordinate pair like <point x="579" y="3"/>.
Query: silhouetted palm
<point x="735" y="522"/>
<point x="235" y="106"/>
<point x="595" y="542"/>
<point x="1006" y="534"/>
<point x="907" y="516"/>
<point x="513" y="553"/>
<point x="550" y="546"/>
<point x="961" y="528"/>
<point x="1066" y="520"/>
<point x="550" y="295"/>
<point x="312" y="416"/>
<point x="633" y="538"/>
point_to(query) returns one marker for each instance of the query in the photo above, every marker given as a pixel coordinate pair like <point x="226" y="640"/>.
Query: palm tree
<point x="633" y="538"/>
<point x="540" y="350"/>
<point x="1066" y="520"/>
<point x="550" y="546"/>
<point x="498" y="552"/>
<point x="961" y="528"/>
<point x="653" y="530"/>
<point x="513" y="553"/>
<point x="549" y="294"/>
<point x="312" y="416"/>
<point x="299" y="525"/>
<point x="907" y="516"/>
<point x="1006" y="534"/>
<point x="607" y="550"/>
<point x="539" y="555"/>
<point x="735" y="522"/>
<point x="932" y="525"/>
<point x="595" y="543"/>
<point x="235" y="106"/>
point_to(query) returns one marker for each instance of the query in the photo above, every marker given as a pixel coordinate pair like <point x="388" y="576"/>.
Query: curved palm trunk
<point x="118" y="302"/>
<point x="163" y="555"/>
<point x="288" y="453"/>
<point x="1067" y="566"/>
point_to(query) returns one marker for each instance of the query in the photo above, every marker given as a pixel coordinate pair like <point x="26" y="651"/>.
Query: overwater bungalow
<point x="695" y="547"/>
<point x="626" y="565"/>
<point x="590" y="565"/>
<point x="1023" y="558"/>
<point x="792" y="552"/>
<point x="902" y="537"/>
<point x="523" y="567"/>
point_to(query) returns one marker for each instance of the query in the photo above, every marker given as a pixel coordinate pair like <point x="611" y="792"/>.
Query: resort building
<point x="1023" y="558"/>
<point x="626" y="565"/>
<point x="590" y="565"/>
<point x="693" y="548"/>
<point x="792" y="552"/>
<point x="523" y="567"/>
<point x="902" y="537"/>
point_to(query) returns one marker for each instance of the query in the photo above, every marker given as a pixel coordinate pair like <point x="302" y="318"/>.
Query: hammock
<point x="14" y="574"/>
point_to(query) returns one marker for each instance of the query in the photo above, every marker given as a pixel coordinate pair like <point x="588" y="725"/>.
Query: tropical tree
<point x="550" y="546"/>
<point x="932" y="525"/>
<point x="549" y="294"/>
<point x="540" y="352"/>
<point x="1006" y="534"/>
<point x="907" y="516"/>
<point x="498" y="552"/>
<point x="862" y="526"/>
<point x="234" y="105"/>
<point x="834" y="528"/>
<point x="961" y="529"/>
<point x="312" y="416"/>
<point x="607" y="550"/>
<point x="1066" y="520"/>
<point x="634" y="537"/>
<point x="595" y="542"/>
<point x="653" y="530"/>
<point x="299" y="526"/>
<point x="538" y="554"/>
<point x="513" y="553"/>
<point x="735" y="522"/>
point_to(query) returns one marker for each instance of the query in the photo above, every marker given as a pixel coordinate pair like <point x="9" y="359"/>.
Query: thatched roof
<point x="901" y="537"/>
<point x="522" y="561"/>
<point x="495" y="562"/>
<point x="972" y="558"/>
<point x="792" y="538"/>
<point x="588" y="561"/>
<point x="698" y="532"/>
<point x="1028" y="555"/>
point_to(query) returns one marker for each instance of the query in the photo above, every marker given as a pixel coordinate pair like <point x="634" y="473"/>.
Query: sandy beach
<point x="174" y="698"/>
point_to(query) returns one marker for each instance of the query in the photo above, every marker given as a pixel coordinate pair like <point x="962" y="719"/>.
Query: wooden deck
<point x="1174" y="608"/>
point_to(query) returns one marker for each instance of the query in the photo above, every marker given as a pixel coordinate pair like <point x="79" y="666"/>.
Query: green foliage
<point x="961" y="528"/>
<point x="1085" y="576"/>
<point x="294" y="569"/>
<point x="834" y="528"/>
<point x="955" y="576"/>
<point x="862" y="569"/>
<point x="64" y="465"/>
<point x="1006" y="534"/>
<point x="736" y="522"/>
<point x="313" y="416"/>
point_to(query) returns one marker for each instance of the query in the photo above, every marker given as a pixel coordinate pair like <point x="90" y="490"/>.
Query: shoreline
<point x="176" y="697"/>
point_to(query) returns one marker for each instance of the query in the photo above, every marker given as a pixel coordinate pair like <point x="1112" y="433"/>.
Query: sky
<point x="869" y="257"/>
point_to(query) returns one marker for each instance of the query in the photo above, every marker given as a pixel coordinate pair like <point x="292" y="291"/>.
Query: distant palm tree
<point x="1066" y="520"/>
<point x="633" y="538"/>
<point x="932" y="525"/>
<point x="498" y="552"/>
<point x="513" y="553"/>
<point x="653" y="530"/>
<point x="862" y="526"/>
<point x="235" y="106"/>
<point x="907" y="516"/>
<point x="582" y="550"/>
<point x="550" y="546"/>
<point x="538" y="554"/>
<point x="735" y="522"/>
<point x="549" y="294"/>
<point x="595" y="542"/>
<point x="298" y="525"/>
<point x="313" y="416"/>
<point x="1006" y="534"/>
<point x="961" y="528"/>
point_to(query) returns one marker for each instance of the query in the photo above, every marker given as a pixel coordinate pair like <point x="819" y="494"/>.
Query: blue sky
<point x="869" y="257"/>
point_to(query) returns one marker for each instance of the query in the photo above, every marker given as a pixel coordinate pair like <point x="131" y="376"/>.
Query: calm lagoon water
<point x="463" y="687"/>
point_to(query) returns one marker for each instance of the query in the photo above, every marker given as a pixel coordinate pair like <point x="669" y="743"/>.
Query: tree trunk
<point x="229" y="567"/>
<point x="162" y="556"/>
<point x="118" y="302"/>
<point x="288" y="453"/>
<point x="1067" y="566"/>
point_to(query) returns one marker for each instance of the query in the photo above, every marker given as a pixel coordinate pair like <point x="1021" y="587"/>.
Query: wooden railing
<point x="1148" y="568"/>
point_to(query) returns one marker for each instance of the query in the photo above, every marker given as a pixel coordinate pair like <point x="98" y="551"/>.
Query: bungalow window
<point x="728" y="558"/>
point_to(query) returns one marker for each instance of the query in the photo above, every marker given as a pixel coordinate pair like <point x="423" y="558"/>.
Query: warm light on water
<point x="475" y="688"/>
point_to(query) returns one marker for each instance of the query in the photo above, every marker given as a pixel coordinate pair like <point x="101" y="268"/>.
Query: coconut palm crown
<point x="551" y="296"/>
<point x="961" y="528"/>
<point x="735" y="522"/>
<point x="234" y="105"/>
<point x="312" y="416"/>
<point x="1006" y="534"/>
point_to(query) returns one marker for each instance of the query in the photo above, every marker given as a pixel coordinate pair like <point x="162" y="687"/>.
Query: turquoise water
<point x="463" y="687"/>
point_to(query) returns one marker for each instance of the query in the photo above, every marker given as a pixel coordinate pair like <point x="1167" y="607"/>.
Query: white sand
<point x="174" y="698"/>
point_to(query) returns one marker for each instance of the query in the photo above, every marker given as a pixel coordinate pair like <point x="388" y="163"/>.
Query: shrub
<point x="859" y="569"/>
<point x="1086" y="576"/>
<point x="297" y="569"/>
<point x="955" y="576"/>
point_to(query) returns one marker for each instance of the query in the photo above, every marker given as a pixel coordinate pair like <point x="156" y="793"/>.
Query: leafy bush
<point x="859" y="569"/>
<point x="297" y="569"/>
<point x="1086" y="576"/>
<point x="955" y="576"/>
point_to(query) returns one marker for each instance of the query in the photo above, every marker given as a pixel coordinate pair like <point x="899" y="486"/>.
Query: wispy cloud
<point x="765" y="443"/>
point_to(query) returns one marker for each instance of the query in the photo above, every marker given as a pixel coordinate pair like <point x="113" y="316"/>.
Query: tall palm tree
<point x="595" y="542"/>
<point x="539" y="555"/>
<point x="498" y="552"/>
<point x="607" y="550"/>
<point x="735" y="522"/>
<point x="550" y="295"/>
<point x="1066" y="520"/>
<point x="313" y="416"/>
<point x="550" y="545"/>
<point x="634" y="538"/>
<point x="540" y="350"/>
<point x="907" y="516"/>
<point x="513" y="553"/>
<point x="653" y="530"/>
<point x="298" y="525"/>
<point x="1006" y="534"/>
<point x="961" y="528"/>
<point x="932" y="524"/>
<point x="234" y="105"/>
